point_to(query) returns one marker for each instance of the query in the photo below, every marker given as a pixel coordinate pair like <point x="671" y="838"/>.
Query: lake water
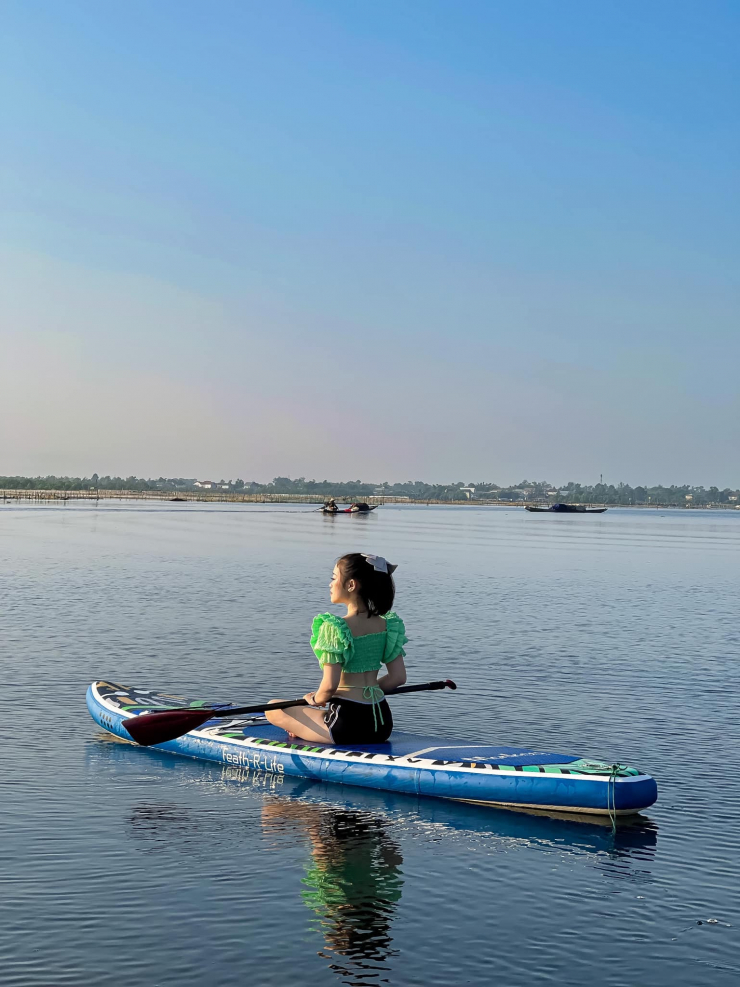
<point x="614" y="635"/>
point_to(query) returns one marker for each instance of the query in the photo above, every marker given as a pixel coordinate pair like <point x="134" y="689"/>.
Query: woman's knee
<point x="274" y="716"/>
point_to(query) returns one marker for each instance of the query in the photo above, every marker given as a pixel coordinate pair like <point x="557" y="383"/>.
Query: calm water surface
<point x="614" y="635"/>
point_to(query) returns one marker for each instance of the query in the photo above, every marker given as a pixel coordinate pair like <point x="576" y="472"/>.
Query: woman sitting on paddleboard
<point x="349" y="707"/>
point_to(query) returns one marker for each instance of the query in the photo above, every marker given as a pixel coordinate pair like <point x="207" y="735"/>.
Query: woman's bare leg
<point x="303" y="722"/>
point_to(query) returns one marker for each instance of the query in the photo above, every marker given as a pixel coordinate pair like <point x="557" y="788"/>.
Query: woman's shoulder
<point x="395" y="636"/>
<point x="328" y="626"/>
<point x="393" y="622"/>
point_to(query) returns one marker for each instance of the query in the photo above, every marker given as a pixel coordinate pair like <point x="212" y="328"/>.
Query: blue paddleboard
<point x="469" y="771"/>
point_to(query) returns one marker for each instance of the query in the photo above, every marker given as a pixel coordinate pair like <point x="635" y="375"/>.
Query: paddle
<point x="168" y="724"/>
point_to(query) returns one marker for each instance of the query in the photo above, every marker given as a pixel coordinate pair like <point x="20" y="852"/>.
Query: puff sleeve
<point x="331" y="640"/>
<point x="395" y="637"/>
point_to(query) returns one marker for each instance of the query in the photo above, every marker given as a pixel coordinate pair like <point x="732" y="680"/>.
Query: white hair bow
<point x="379" y="563"/>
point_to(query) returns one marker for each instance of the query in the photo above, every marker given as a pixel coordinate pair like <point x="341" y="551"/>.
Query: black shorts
<point x="353" y="723"/>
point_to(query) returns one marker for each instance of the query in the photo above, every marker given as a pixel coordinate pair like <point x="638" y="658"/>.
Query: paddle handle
<point x="425" y="687"/>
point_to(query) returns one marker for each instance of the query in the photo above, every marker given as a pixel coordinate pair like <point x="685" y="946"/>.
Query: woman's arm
<point x="329" y="685"/>
<point x="395" y="676"/>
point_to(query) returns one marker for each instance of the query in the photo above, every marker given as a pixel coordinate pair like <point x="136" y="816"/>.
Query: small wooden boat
<point x="354" y="509"/>
<point x="566" y="509"/>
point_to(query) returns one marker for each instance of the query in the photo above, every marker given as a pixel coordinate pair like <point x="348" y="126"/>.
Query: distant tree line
<point x="93" y="482"/>
<point x="526" y="491"/>
<point x="622" y="493"/>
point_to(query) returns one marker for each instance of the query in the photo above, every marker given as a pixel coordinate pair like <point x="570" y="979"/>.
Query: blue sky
<point x="387" y="240"/>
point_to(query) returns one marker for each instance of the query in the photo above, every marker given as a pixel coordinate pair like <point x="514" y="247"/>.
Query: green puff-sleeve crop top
<point x="333" y="643"/>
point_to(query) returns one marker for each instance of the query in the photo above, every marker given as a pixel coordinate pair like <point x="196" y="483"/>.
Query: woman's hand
<point x="395" y="676"/>
<point x="329" y="683"/>
<point x="310" y="698"/>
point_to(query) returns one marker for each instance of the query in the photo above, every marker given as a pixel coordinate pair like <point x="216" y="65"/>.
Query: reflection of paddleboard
<point x="636" y="837"/>
<point x="473" y="772"/>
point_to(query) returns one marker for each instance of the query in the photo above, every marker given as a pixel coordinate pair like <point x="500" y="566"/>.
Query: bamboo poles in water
<point x="183" y="496"/>
<point x="157" y="495"/>
<point x="219" y="496"/>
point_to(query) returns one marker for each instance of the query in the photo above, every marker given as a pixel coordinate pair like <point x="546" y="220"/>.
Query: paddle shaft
<point x="287" y="703"/>
<point x="168" y="724"/>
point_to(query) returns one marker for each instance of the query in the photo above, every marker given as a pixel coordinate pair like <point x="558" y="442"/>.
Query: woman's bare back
<point x="360" y="624"/>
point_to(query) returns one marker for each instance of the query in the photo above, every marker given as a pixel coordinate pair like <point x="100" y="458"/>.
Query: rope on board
<point x="611" y="796"/>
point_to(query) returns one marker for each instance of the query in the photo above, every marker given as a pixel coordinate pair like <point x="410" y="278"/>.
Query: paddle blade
<point x="158" y="728"/>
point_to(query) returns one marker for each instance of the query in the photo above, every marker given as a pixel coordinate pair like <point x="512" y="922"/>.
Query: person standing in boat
<point x="349" y="706"/>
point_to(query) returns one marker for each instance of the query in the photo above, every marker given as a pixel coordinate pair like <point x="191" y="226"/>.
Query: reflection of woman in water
<point x="353" y="882"/>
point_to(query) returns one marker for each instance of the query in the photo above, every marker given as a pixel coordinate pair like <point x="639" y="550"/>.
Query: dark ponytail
<point x="375" y="589"/>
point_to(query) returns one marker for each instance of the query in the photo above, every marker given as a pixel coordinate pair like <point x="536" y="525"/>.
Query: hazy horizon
<point x="385" y="241"/>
